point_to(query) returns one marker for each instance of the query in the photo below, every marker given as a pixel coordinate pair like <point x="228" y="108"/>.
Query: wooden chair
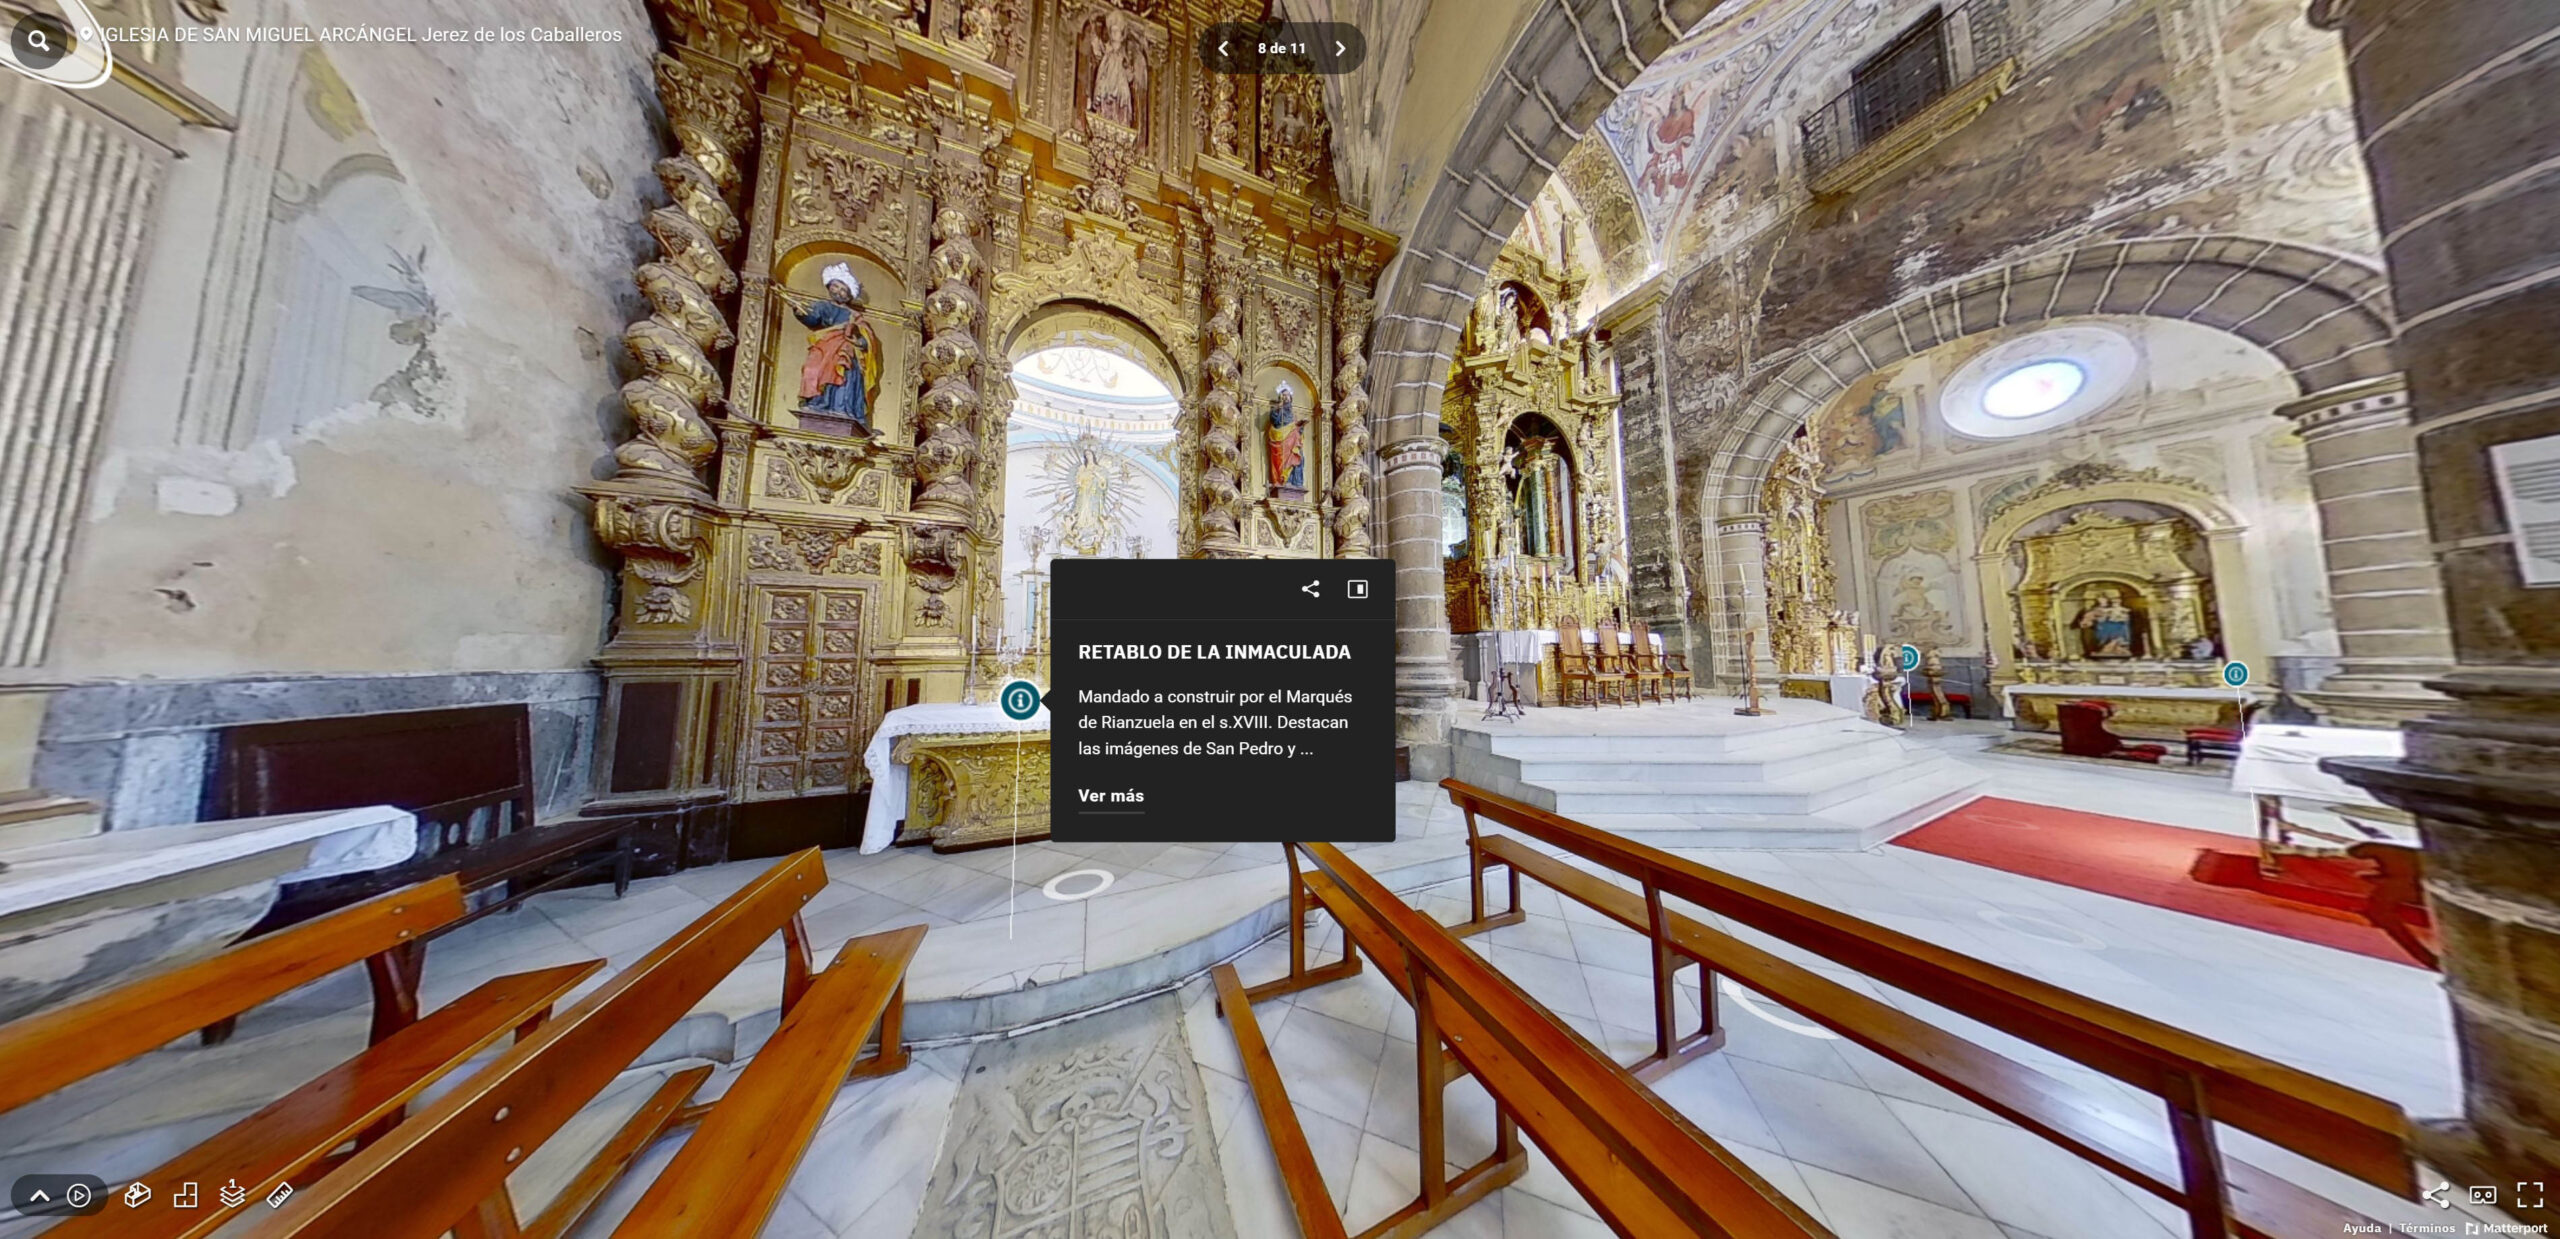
<point x="1576" y="665"/>
<point x="446" y="1168"/>
<point x="294" y="1138"/>
<point x="2200" y="1082"/>
<point x="1629" y="663"/>
<point x="1671" y="669"/>
<point x="2085" y="734"/>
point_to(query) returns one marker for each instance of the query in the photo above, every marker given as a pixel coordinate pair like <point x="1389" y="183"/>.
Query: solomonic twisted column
<point x="1351" y="420"/>
<point x="946" y="438"/>
<point x="1222" y="464"/>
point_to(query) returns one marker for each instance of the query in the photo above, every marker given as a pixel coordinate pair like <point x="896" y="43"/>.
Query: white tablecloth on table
<point x="2283" y="759"/>
<point x="889" y="778"/>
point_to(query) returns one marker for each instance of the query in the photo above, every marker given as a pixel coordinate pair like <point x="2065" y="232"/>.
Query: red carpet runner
<point x="2141" y="861"/>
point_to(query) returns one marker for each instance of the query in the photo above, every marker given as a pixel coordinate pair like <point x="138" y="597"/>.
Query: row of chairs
<point x="355" y="1151"/>
<point x="1626" y="674"/>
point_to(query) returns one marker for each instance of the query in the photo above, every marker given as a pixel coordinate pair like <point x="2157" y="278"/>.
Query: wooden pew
<point x="446" y="1168"/>
<point x="2201" y="1081"/>
<point x="732" y="1170"/>
<point x="1645" y="1169"/>
<point x="299" y="1131"/>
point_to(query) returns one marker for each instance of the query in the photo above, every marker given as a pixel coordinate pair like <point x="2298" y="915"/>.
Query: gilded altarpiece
<point x="873" y="211"/>
<point x="1531" y="413"/>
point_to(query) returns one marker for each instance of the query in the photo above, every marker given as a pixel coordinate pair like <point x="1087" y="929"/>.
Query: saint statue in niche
<point x="1541" y="499"/>
<point x="1111" y="58"/>
<point x="840" y="378"/>
<point x="1285" y="439"/>
<point x="2105" y="624"/>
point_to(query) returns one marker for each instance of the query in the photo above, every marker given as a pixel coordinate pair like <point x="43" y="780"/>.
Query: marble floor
<point x="1874" y="1151"/>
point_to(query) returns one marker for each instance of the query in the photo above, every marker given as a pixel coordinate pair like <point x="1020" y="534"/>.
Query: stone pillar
<point x="2454" y="103"/>
<point x="1657" y="589"/>
<point x="1424" y="681"/>
<point x="2392" y="635"/>
<point x="1742" y="585"/>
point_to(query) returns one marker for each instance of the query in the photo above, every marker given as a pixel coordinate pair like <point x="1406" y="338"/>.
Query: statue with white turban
<point x="842" y="370"/>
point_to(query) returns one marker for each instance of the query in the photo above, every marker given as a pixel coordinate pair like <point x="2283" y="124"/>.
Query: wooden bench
<point x="296" y="1135"/>
<point x="2201" y="1081"/>
<point x="446" y="1168"/>
<point x="1645" y="1169"/>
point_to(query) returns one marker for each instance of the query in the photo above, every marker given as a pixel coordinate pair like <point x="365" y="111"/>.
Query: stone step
<point x="1862" y="822"/>
<point x="1801" y="793"/>
<point x="1778" y="734"/>
<point x="41" y="818"/>
<point x="1676" y="763"/>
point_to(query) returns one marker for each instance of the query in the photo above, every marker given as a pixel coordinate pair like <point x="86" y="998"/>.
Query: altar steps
<point x="1810" y="776"/>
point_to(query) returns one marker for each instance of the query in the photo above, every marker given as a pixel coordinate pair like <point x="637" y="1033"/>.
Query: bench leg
<point x="892" y="1054"/>
<point x="622" y="861"/>
<point x="395" y="974"/>
<point x="492" y="1218"/>
<point x="217" y="1032"/>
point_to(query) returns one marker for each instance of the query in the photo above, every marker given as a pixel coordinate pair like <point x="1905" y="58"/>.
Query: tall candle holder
<point x="1750" y="706"/>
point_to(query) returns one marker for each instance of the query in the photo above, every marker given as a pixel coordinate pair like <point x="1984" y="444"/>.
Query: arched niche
<point x="891" y="319"/>
<point x="1541" y="483"/>
<point x="1089" y="467"/>
<point x="1280" y="389"/>
<point x="2088" y="489"/>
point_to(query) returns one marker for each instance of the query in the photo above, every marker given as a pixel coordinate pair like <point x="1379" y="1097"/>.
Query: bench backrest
<point x="2349" y="1130"/>
<point x="50" y="1049"/>
<point x="1640" y="1163"/>
<point x="439" y="1165"/>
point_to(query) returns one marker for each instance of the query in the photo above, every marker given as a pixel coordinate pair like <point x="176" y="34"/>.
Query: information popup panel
<point x="1235" y="700"/>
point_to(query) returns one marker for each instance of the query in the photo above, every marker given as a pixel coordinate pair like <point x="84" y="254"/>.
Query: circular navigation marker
<point x="2235" y="673"/>
<point x="1054" y="888"/>
<point x="1020" y="699"/>
<point x="1910" y="657"/>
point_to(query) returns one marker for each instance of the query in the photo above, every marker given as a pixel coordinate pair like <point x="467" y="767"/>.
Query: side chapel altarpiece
<point x="1531" y="418"/>
<point x="875" y="209"/>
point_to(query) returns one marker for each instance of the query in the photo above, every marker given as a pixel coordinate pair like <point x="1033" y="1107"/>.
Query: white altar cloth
<point x="889" y="778"/>
<point x="2283" y="759"/>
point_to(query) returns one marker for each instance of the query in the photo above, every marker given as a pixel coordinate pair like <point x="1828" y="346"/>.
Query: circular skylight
<point x="2039" y="381"/>
<point x="1092" y="371"/>
<point x="2034" y="389"/>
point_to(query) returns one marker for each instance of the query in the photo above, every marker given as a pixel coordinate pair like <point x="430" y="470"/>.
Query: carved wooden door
<point x="808" y="706"/>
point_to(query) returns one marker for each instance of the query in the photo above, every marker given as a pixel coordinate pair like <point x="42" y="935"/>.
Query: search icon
<point x="40" y="40"/>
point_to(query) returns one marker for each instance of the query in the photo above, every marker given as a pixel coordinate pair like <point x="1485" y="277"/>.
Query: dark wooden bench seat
<point x="733" y="1169"/>
<point x="2267" y="1207"/>
<point x="445" y="1168"/>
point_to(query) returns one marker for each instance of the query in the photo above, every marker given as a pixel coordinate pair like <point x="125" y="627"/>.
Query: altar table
<point x="2156" y="710"/>
<point x="951" y="735"/>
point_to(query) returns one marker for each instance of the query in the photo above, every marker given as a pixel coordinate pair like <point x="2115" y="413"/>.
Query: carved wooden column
<point x="1222" y="428"/>
<point x="2392" y="633"/>
<point x="1351" y="415"/>
<point x="946" y="423"/>
<point x="2453" y="102"/>
<point x="650" y="510"/>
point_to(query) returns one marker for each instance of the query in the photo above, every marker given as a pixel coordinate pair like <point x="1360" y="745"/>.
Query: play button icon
<point x="57" y="1195"/>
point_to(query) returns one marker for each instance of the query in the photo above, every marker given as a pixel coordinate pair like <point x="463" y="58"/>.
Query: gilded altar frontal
<point x="1830" y="619"/>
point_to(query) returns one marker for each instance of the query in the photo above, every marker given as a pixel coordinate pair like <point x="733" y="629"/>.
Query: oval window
<point x="2034" y="389"/>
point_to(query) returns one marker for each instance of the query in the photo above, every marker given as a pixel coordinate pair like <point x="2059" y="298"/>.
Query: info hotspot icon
<point x="2235" y="673"/>
<point x="1910" y="657"/>
<point x="1020" y="699"/>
